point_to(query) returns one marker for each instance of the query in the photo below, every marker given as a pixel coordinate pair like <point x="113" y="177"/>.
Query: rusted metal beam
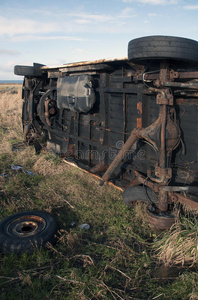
<point x="162" y="157"/>
<point x="163" y="200"/>
<point x="86" y="68"/>
<point x="192" y="202"/>
<point x="147" y="182"/>
<point x="189" y="85"/>
<point x="139" y="105"/>
<point x="120" y="156"/>
<point x="183" y="75"/>
<point x="173" y="75"/>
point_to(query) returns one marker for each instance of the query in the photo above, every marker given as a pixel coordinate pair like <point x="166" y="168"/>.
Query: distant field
<point x="118" y="257"/>
<point x="11" y="82"/>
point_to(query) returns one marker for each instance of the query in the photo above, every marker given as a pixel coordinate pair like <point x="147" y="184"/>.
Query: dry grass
<point x="46" y="167"/>
<point x="179" y="246"/>
<point x="10" y="117"/>
<point x="10" y="109"/>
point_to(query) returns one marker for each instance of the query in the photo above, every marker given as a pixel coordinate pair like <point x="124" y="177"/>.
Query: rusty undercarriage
<point x="132" y="121"/>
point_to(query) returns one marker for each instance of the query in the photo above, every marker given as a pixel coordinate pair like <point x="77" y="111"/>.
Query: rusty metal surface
<point x="160" y="221"/>
<point x="120" y="156"/>
<point x="173" y="75"/>
<point x="47" y="112"/>
<point x="27" y="226"/>
<point x="189" y="85"/>
<point x="189" y="201"/>
<point x="147" y="182"/>
<point x="94" y="175"/>
<point x="85" y="63"/>
<point x="100" y="167"/>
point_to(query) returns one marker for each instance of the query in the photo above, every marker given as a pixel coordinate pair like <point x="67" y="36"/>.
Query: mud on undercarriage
<point x="132" y="121"/>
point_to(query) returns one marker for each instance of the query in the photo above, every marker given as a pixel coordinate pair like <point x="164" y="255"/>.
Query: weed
<point x="179" y="246"/>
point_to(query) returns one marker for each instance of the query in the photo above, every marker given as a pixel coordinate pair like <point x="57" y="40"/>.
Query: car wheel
<point x="163" y="47"/>
<point x="24" y="70"/>
<point x="27" y="231"/>
<point x="32" y="71"/>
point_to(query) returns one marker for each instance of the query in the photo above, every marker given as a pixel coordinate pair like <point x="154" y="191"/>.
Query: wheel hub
<point x="26" y="226"/>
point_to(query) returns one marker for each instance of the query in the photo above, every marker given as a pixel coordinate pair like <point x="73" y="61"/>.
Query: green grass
<point x="115" y="259"/>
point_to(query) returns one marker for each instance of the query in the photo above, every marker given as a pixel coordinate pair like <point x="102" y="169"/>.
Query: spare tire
<point x="32" y="71"/>
<point x="163" y="47"/>
<point x="24" y="70"/>
<point x="27" y="231"/>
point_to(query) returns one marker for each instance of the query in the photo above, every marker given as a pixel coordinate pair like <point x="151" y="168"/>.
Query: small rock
<point x="85" y="226"/>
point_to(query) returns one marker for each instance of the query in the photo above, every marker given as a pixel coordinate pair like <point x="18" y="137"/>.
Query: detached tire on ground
<point x="138" y="194"/>
<point x="163" y="47"/>
<point x="27" y="231"/>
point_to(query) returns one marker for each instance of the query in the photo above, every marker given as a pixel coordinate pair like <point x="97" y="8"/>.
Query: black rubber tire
<point x="137" y="194"/>
<point x="32" y="71"/>
<point x="27" y="231"/>
<point x="163" y="47"/>
<point x="24" y="70"/>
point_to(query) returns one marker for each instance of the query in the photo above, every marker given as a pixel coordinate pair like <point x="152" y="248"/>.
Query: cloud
<point x="24" y="38"/>
<point x="84" y="18"/>
<point x="23" y="26"/>
<point x="152" y="15"/>
<point x="126" y="13"/>
<point x="191" y="7"/>
<point x="9" y="52"/>
<point x="26" y="29"/>
<point x="96" y="18"/>
<point x="153" y="2"/>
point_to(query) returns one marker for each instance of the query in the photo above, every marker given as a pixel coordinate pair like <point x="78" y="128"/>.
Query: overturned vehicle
<point x="132" y="122"/>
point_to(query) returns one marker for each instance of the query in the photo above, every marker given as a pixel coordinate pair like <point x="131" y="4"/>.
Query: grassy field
<point x="119" y="257"/>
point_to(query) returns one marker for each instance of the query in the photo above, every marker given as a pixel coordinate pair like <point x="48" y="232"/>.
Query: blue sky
<point x="63" y="31"/>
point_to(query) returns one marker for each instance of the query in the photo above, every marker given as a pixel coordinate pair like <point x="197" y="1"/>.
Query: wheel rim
<point x="161" y="222"/>
<point x="135" y="202"/>
<point x="26" y="226"/>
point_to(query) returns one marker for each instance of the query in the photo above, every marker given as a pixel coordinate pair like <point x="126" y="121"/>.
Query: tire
<point x="24" y="70"/>
<point x="163" y="47"/>
<point x="27" y="231"/>
<point x="32" y="71"/>
<point x="138" y="194"/>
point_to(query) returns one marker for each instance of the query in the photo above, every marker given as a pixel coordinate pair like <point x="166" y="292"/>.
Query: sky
<point x="55" y="32"/>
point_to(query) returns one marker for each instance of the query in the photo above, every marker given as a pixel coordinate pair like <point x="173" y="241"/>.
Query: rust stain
<point x="176" y="197"/>
<point x="139" y="113"/>
<point x="161" y="222"/>
<point x="85" y="63"/>
<point x="100" y="167"/>
<point x="47" y="112"/>
<point x="96" y="176"/>
<point x="186" y="101"/>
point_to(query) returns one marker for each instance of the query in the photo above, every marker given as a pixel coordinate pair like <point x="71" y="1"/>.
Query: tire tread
<point x="163" y="47"/>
